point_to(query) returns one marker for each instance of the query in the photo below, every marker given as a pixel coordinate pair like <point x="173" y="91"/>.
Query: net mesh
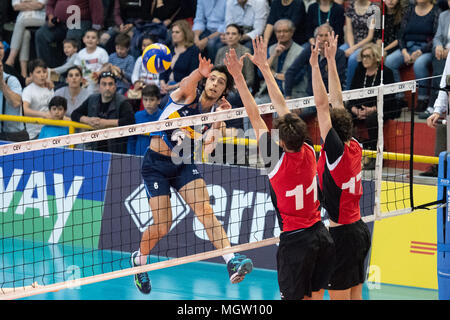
<point x="72" y="212"/>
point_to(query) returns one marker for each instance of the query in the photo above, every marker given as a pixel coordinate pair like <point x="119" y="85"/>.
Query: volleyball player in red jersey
<point x="340" y="181"/>
<point x="306" y="251"/>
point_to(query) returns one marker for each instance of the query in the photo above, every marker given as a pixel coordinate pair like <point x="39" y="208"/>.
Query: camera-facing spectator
<point x="57" y="108"/>
<point x="36" y="96"/>
<point x="106" y="109"/>
<point x="61" y="24"/>
<point x="10" y="104"/>
<point x="74" y="93"/>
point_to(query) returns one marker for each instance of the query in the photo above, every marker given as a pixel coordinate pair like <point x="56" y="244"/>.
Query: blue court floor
<point x="194" y="281"/>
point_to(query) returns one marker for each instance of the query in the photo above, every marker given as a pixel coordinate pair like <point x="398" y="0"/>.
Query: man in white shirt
<point x="250" y="15"/>
<point x="441" y="106"/>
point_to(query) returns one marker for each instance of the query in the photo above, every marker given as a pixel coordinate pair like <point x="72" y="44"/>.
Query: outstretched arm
<point x="259" y="58"/>
<point x="334" y="84"/>
<point x="186" y="92"/>
<point x="320" y="94"/>
<point x="234" y="66"/>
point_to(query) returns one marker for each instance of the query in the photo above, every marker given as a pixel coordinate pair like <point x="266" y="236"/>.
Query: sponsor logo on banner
<point x="42" y="199"/>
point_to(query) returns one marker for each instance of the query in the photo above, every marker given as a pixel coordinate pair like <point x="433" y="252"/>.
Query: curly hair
<point x="292" y="131"/>
<point x="342" y="123"/>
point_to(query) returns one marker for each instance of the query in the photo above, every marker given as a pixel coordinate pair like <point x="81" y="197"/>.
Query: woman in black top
<point x="368" y="74"/>
<point x="393" y="18"/>
<point x="325" y="11"/>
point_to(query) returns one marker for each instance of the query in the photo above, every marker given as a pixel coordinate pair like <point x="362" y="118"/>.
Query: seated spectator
<point x="184" y="56"/>
<point x="62" y="25"/>
<point x="208" y="22"/>
<point x="106" y="109"/>
<point x="233" y="36"/>
<point x="325" y="11"/>
<point x="36" y="96"/>
<point x="121" y="63"/>
<point x="250" y="16"/>
<point x="441" y="105"/>
<point x="74" y="93"/>
<point x="364" y="110"/>
<point x="151" y="98"/>
<point x="298" y="77"/>
<point x="281" y="56"/>
<point x="360" y="22"/>
<point x="11" y="104"/>
<point x="91" y="59"/>
<point x="415" y="38"/>
<point x="112" y="24"/>
<point x="31" y="14"/>
<point x="293" y="10"/>
<point x="8" y="69"/>
<point x="71" y="52"/>
<point x="141" y="76"/>
<point x="57" y="108"/>
<point x="395" y="9"/>
<point x="441" y="48"/>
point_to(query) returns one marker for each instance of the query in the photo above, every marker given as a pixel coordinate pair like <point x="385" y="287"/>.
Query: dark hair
<point x="73" y="42"/>
<point x="151" y="90"/>
<point x="74" y="68"/>
<point x="34" y="64"/>
<point x="230" y="81"/>
<point x="107" y="74"/>
<point x="91" y="30"/>
<point x="122" y="39"/>
<point x="342" y="123"/>
<point x="147" y="35"/>
<point x="292" y="131"/>
<point x="238" y="28"/>
<point x="58" y="101"/>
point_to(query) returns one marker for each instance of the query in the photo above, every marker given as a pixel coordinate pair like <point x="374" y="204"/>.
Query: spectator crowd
<point x="80" y="60"/>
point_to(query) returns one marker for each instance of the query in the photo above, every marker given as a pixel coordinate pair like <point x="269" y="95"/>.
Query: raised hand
<point x="259" y="57"/>
<point x="223" y="105"/>
<point x="314" y="59"/>
<point x="204" y="66"/>
<point x="233" y="63"/>
<point x="331" y="48"/>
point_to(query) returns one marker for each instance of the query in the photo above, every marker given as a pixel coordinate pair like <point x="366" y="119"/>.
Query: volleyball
<point x="156" y="58"/>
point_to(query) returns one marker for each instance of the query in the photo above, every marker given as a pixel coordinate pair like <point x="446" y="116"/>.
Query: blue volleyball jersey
<point x="173" y="110"/>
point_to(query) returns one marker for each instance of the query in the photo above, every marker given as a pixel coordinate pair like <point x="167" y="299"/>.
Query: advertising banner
<point x="53" y="196"/>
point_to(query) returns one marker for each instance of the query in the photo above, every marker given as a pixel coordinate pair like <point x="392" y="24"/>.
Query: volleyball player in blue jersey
<point x="164" y="167"/>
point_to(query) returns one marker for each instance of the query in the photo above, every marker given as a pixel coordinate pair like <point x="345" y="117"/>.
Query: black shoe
<point x="141" y="280"/>
<point x="431" y="172"/>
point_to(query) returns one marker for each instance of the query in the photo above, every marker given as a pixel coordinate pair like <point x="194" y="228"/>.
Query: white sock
<point x="140" y="259"/>
<point x="228" y="257"/>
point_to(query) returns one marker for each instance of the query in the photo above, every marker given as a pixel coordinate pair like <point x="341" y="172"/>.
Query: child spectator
<point x="36" y="96"/>
<point x="57" y="109"/>
<point x="91" y="59"/>
<point x="71" y="52"/>
<point x="151" y="97"/>
<point x="141" y="76"/>
<point x="122" y="63"/>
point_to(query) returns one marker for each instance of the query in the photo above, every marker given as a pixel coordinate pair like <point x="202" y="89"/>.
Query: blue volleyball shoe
<point x="141" y="280"/>
<point x="239" y="267"/>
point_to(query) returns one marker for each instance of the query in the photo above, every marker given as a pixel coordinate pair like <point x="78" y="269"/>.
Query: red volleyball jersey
<point x="294" y="188"/>
<point x="340" y="179"/>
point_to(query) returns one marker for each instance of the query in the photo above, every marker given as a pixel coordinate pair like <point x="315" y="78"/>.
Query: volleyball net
<point x="71" y="215"/>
